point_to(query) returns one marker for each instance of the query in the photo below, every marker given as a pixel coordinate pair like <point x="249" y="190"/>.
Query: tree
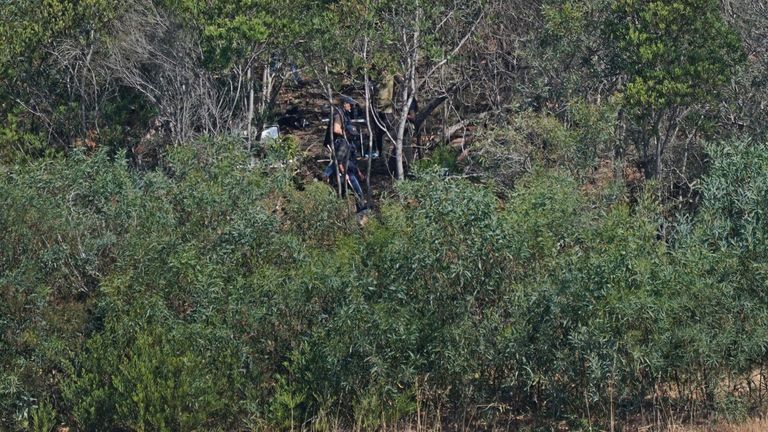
<point x="72" y="69"/>
<point x="49" y="92"/>
<point x="244" y="37"/>
<point x="746" y="95"/>
<point x="411" y="41"/>
<point x="674" y="57"/>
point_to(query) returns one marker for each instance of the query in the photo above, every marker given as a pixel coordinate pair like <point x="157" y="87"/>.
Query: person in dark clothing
<point x="384" y="122"/>
<point x="349" y="173"/>
<point x="348" y="167"/>
<point x="341" y="124"/>
<point x="344" y="136"/>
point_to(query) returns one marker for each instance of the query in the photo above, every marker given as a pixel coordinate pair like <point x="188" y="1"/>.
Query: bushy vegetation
<point x="579" y="237"/>
<point x="212" y="295"/>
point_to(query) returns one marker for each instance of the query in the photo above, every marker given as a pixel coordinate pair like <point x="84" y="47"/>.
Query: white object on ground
<point x="269" y="133"/>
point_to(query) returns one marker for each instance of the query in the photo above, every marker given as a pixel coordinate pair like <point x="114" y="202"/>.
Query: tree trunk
<point x="250" y="110"/>
<point x="368" y="107"/>
<point x="334" y="159"/>
<point x="266" y="91"/>
<point x="408" y="94"/>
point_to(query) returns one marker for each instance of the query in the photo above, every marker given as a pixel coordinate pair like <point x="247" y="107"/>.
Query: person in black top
<point x="341" y="125"/>
<point x="343" y="134"/>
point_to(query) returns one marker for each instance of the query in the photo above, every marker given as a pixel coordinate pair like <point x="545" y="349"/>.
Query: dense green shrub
<point x="147" y="371"/>
<point x="212" y="293"/>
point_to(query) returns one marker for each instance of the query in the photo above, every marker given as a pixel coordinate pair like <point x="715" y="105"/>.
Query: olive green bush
<point x="147" y="371"/>
<point x="213" y="293"/>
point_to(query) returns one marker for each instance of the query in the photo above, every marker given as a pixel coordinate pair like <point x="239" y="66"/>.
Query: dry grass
<point x="750" y="426"/>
